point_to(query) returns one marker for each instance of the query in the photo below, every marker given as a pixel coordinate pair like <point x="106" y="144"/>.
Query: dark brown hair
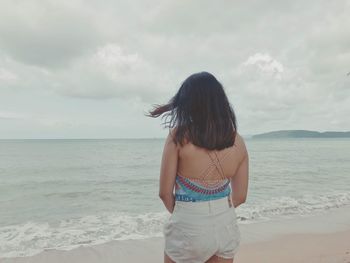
<point x="200" y="112"/>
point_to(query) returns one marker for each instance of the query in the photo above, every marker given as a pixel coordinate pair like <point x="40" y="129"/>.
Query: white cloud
<point x="283" y="63"/>
<point x="111" y="71"/>
<point x="7" y="76"/>
<point x="111" y="55"/>
<point x="126" y="69"/>
<point x="265" y="64"/>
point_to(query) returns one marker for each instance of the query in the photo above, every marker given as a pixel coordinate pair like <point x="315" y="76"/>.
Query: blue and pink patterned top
<point x="202" y="188"/>
<point x="195" y="190"/>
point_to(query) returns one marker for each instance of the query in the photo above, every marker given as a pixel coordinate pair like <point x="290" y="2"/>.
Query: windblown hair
<point x="200" y="113"/>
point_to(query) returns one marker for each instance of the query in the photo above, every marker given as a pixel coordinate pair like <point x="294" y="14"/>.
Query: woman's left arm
<point x="168" y="172"/>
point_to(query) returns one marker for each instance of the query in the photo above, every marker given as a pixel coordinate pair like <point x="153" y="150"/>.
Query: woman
<point x="206" y="161"/>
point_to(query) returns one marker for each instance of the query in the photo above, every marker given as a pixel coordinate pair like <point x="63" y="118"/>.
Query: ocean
<point x="67" y="193"/>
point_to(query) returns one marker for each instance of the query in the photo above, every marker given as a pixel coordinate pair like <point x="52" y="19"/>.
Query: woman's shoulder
<point x="240" y="144"/>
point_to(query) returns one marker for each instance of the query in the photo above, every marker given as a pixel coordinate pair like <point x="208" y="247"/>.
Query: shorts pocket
<point x="175" y="240"/>
<point x="233" y="239"/>
<point x="198" y="240"/>
<point x="186" y="237"/>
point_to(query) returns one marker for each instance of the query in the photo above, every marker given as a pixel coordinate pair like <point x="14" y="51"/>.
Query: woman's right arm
<point x="239" y="182"/>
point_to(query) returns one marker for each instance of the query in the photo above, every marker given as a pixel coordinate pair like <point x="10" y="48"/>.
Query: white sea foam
<point x="33" y="237"/>
<point x="291" y="206"/>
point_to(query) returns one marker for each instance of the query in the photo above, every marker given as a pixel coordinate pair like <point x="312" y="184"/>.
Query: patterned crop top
<point x="203" y="189"/>
<point x="192" y="190"/>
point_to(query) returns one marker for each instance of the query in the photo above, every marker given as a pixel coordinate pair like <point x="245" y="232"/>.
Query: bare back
<point x="199" y="163"/>
<point x="203" y="174"/>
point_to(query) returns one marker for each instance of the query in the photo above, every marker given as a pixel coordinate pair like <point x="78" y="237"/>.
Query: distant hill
<point x="301" y="134"/>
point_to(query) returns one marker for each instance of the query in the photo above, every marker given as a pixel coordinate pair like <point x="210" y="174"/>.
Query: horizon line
<point x="246" y="136"/>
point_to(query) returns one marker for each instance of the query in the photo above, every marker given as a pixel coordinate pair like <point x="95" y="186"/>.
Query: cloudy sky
<point x="91" y="69"/>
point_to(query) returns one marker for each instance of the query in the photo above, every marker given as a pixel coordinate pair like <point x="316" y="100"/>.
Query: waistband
<point x="215" y="206"/>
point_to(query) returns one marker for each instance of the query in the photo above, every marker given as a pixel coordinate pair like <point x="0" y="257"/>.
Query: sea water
<point x="66" y="193"/>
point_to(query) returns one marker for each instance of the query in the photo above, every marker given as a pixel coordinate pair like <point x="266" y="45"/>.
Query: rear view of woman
<point x="206" y="161"/>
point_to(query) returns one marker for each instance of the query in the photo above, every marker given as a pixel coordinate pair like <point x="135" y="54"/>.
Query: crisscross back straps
<point x="215" y="164"/>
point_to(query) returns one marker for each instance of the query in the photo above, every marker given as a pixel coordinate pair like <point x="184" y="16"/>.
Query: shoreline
<point x="289" y="248"/>
<point x="322" y="237"/>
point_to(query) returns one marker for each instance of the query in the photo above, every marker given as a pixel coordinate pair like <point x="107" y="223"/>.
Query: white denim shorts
<point x="196" y="231"/>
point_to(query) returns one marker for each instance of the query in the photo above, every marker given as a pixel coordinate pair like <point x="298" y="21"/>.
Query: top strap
<point x="215" y="164"/>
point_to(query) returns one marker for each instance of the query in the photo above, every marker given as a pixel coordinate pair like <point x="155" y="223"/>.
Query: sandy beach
<point x="319" y="238"/>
